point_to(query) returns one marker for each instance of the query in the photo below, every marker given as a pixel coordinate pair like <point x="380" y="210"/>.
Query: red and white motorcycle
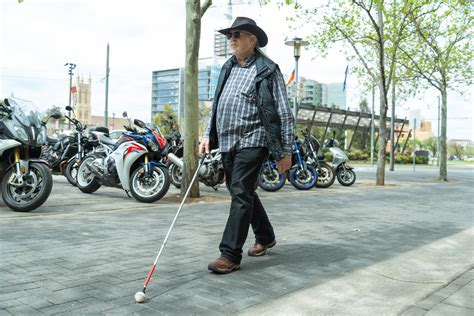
<point x="133" y="163"/>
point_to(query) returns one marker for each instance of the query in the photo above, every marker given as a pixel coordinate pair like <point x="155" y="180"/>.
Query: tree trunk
<point x="443" y="153"/>
<point x="191" y="106"/>
<point x="380" y="175"/>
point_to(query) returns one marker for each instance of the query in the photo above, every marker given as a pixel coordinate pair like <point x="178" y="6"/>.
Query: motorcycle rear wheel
<point x="149" y="188"/>
<point x="35" y="191"/>
<point x="85" y="180"/>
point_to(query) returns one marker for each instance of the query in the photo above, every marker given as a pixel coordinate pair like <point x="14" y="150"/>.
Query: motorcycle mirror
<point x="69" y="108"/>
<point x="139" y="123"/>
<point x="124" y="114"/>
<point x="56" y="115"/>
<point x="6" y="102"/>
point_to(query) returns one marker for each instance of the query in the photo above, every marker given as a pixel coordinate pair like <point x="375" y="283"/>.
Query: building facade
<point x="335" y="95"/>
<point x="168" y="88"/>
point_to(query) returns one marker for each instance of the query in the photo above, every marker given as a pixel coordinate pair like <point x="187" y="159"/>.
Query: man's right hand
<point x="204" y="146"/>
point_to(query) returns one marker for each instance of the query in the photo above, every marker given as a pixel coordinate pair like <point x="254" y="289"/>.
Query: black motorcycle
<point x="26" y="180"/>
<point x="175" y="146"/>
<point x="58" y="152"/>
<point x="314" y="157"/>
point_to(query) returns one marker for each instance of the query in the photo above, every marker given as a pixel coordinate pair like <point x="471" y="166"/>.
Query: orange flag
<point x="292" y="77"/>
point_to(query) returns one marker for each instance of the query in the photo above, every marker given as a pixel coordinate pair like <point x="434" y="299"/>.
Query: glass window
<point x="167" y="78"/>
<point x="168" y="85"/>
<point x="168" y="100"/>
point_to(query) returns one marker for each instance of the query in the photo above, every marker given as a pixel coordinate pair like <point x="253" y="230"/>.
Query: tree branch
<point x="205" y="6"/>
<point x="366" y="66"/>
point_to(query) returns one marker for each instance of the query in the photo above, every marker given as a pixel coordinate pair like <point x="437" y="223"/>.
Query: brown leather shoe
<point x="259" y="250"/>
<point x="222" y="265"/>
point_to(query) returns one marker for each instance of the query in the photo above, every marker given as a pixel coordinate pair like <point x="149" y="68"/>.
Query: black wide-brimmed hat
<point x="248" y="25"/>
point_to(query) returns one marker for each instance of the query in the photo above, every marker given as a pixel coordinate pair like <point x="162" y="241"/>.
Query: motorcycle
<point x="175" y="142"/>
<point x="84" y="144"/>
<point x="302" y="175"/>
<point x="314" y="157"/>
<point x="344" y="172"/>
<point x="133" y="163"/>
<point x="211" y="173"/>
<point x="58" y="152"/>
<point x="26" y="180"/>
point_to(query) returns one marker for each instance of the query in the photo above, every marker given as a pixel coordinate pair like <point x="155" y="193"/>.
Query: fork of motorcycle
<point x="147" y="167"/>
<point x="17" y="178"/>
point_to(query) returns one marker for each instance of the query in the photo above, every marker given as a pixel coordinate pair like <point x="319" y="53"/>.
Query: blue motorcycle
<point x="302" y="175"/>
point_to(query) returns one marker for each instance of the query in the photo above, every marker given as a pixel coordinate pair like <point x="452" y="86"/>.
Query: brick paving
<point x="89" y="254"/>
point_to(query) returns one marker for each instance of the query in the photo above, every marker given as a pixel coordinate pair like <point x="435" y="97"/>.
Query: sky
<point x="37" y="37"/>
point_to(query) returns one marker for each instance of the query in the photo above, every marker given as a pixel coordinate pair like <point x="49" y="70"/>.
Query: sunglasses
<point x="236" y="34"/>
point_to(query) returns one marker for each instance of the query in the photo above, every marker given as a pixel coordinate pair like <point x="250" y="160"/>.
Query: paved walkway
<point x="405" y="248"/>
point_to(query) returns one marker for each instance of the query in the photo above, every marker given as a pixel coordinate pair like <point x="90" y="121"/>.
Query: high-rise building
<point x="334" y="94"/>
<point x="168" y="88"/>
<point x="311" y="91"/>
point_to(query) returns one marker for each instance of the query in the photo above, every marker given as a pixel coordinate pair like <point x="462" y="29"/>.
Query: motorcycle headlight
<point x="20" y="132"/>
<point x="152" y="145"/>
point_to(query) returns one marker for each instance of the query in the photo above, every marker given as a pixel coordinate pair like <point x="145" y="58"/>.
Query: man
<point x="250" y="118"/>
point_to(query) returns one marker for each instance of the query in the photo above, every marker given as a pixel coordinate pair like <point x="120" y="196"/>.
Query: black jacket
<point x="266" y="70"/>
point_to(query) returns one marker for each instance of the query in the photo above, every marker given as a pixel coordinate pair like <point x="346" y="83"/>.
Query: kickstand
<point x="128" y="194"/>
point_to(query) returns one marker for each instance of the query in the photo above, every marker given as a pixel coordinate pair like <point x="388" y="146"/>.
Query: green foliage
<point x="162" y="118"/>
<point x="364" y="106"/>
<point x="358" y="155"/>
<point x="431" y="145"/>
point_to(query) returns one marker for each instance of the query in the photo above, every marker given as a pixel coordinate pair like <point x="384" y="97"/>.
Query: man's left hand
<point x="284" y="164"/>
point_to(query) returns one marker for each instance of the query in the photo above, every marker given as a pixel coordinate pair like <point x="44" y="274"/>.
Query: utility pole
<point x="106" y="112"/>
<point x="70" y="73"/>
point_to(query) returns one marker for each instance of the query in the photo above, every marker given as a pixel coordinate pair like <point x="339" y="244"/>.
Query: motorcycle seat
<point x="107" y="141"/>
<point x="51" y="140"/>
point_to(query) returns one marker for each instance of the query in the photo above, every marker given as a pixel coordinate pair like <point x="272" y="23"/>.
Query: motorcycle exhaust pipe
<point x="176" y="160"/>
<point x="203" y="170"/>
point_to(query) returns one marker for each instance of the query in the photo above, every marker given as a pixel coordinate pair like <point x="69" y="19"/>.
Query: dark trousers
<point x="241" y="170"/>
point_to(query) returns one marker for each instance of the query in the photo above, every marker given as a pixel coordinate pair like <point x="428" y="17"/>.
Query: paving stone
<point x="414" y="311"/>
<point x="447" y="309"/>
<point x="62" y="308"/>
<point x="95" y="263"/>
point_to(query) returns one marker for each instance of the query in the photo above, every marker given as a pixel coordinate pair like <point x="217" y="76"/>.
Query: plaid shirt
<point x="238" y="122"/>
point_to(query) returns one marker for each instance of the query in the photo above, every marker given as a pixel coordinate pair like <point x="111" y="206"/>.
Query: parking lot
<point x="369" y="249"/>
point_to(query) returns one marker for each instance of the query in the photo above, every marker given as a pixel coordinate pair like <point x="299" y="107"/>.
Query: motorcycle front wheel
<point x="326" y="175"/>
<point x="346" y="177"/>
<point x="176" y="175"/>
<point x="303" y="179"/>
<point x="71" y="172"/>
<point x="148" y="188"/>
<point x="85" y="180"/>
<point x="270" y="180"/>
<point x="34" y="191"/>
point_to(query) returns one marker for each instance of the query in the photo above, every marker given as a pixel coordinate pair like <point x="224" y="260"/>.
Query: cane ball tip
<point x="140" y="297"/>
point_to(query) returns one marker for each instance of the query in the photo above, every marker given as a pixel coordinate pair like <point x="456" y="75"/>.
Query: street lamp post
<point x="296" y="43"/>
<point x="70" y="73"/>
